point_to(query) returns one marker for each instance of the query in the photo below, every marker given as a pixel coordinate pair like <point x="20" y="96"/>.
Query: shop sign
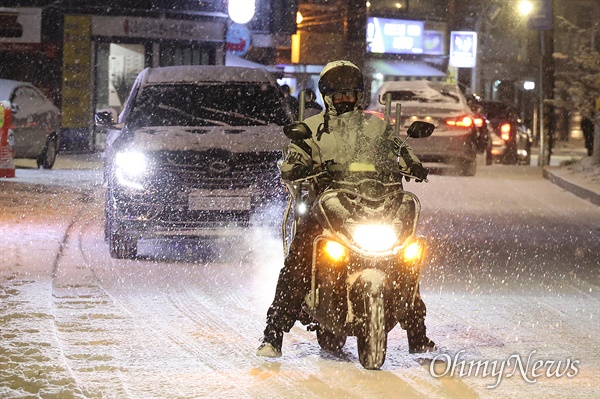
<point x="20" y="25"/>
<point x="237" y="40"/>
<point x="157" y="28"/>
<point x="76" y="72"/>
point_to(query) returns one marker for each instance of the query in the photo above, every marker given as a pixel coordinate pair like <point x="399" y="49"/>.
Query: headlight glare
<point x="413" y="252"/>
<point x="334" y="250"/>
<point x="130" y="168"/>
<point x="134" y="163"/>
<point x="376" y="238"/>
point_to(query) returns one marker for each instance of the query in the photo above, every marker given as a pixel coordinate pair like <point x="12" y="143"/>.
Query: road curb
<point x="579" y="191"/>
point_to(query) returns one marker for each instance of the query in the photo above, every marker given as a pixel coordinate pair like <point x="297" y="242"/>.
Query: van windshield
<point x="209" y="104"/>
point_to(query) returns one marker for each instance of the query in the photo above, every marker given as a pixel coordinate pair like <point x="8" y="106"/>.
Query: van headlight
<point x="374" y="237"/>
<point x="131" y="168"/>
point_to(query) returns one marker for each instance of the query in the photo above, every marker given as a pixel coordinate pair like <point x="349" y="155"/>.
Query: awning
<point x="234" y="60"/>
<point x="402" y="68"/>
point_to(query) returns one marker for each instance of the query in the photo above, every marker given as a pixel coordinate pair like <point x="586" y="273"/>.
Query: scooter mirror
<point x="297" y="131"/>
<point x="420" y="129"/>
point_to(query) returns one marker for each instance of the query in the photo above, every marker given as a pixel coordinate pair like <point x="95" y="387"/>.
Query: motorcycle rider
<point x="339" y="134"/>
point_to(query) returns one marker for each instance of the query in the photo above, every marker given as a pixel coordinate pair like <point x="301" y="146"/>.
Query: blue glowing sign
<point x="394" y="36"/>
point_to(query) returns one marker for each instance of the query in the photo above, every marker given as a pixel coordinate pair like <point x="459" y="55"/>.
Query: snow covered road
<point x="513" y="277"/>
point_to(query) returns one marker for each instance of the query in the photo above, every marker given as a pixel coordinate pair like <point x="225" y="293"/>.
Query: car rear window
<point x="222" y="104"/>
<point x="432" y="93"/>
<point x="497" y="110"/>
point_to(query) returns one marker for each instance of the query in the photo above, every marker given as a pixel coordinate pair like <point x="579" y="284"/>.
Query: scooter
<point x="366" y="263"/>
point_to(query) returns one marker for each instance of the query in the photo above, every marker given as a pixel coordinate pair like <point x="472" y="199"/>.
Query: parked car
<point x="443" y="104"/>
<point x="512" y="140"/>
<point x="35" y="127"/>
<point x="196" y="148"/>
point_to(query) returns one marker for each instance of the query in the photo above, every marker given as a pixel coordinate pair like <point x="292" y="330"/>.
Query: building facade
<point x="85" y="56"/>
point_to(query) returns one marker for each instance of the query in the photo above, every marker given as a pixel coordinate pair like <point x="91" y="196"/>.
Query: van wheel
<point x="48" y="156"/>
<point x="122" y="246"/>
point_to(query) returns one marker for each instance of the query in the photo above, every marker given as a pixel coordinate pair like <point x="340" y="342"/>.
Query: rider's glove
<point x="417" y="170"/>
<point x="297" y="172"/>
<point x="397" y="145"/>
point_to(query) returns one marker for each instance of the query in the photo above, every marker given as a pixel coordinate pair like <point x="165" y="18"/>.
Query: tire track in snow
<point x="84" y="315"/>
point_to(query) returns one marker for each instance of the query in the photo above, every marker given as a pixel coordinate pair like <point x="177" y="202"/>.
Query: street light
<point x="241" y="11"/>
<point x="525" y="7"/>
<point x="539" y="17"/>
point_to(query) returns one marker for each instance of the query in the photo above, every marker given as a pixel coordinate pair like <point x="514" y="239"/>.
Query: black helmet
<point x="340" y="76"/>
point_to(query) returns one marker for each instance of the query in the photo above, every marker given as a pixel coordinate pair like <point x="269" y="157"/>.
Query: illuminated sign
<point x="394" y="36"/>
<point x="463" y="49"/>
<point x="433" y="42"/>
<point x="237" y="40"/>
<point x="76" y="71"/>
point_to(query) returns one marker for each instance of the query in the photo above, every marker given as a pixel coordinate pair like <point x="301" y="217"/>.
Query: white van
<point x="196" y="148"/>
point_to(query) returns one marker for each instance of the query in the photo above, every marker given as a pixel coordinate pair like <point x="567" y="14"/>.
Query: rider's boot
<point x="417" y="339"/>
<point x="271" y="343"/>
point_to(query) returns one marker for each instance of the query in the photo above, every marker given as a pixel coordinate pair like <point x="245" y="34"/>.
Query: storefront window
<point x="184" y="55"/>
<point x="117" y="66"/>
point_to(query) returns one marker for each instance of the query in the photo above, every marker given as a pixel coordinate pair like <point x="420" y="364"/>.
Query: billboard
<point x="394" y="36"/>
<point x="463" y="49"/>
<point x="433" y="42"/>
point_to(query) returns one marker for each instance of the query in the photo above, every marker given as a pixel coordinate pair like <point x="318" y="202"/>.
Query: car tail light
<point x="505" y="131"/>
<point x="461" y="121"/>
<point x="478" y="122"/>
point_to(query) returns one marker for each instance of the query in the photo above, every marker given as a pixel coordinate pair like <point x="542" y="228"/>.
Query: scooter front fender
<point x="363" y="284"/>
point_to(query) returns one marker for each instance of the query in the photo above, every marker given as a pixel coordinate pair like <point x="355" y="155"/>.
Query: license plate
<point x="219" y="200"/>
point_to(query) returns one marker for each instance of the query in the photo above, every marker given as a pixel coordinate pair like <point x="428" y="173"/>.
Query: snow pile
<point x="585" y="170"/>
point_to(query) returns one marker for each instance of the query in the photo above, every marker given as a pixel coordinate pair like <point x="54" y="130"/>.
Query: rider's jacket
<point x="346" y="142"/>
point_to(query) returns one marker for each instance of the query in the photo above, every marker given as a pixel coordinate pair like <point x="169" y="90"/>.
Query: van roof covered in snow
<point x="205" y="73"/>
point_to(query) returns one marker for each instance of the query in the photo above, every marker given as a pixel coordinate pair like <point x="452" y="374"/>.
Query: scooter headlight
<point x="374" y="237"/>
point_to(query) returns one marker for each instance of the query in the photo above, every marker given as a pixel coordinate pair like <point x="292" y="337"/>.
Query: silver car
<point x="443" y="104"/>
<point x="35" y="127"/>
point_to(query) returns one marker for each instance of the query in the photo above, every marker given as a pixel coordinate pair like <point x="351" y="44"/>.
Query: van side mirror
<point x="297" y="131"/>
<point x="104" y="118"/>
<point x="420" y="129"/>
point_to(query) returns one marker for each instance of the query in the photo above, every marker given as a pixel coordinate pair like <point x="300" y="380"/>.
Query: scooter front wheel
<point x="372" y="342"/>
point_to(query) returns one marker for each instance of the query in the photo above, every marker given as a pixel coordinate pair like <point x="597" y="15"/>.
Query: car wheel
<point x="488" y="157"/>
<point x="511" y="157"/>
<point x="48" y="156"/>
<point x="468" y="168"/>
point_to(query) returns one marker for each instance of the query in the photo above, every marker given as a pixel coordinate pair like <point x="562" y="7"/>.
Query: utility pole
<point x="541" y="19"/>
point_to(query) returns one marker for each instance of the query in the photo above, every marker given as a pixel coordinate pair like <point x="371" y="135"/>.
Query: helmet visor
<point x="340" y="79"/>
